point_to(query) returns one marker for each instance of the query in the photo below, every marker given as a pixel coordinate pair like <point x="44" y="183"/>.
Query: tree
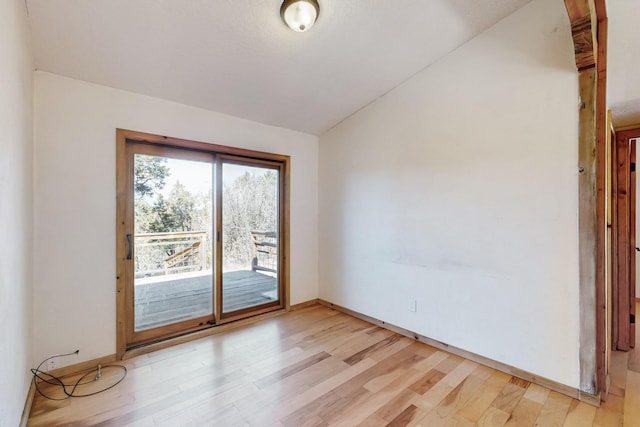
<point x="149" y="175"/>
<point x="250" y="203"/>
<point x="160" y="219"/>
<point x="176" y="213"/>
<point x="179" y="211"/>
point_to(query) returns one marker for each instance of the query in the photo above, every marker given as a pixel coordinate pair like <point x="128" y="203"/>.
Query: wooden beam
<point x="604" y="260"/>
<point x="583" y="17"/>
<point x="587" y="232"/>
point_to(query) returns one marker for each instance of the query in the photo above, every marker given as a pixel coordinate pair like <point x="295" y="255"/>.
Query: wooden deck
<point x="164" y="302"/>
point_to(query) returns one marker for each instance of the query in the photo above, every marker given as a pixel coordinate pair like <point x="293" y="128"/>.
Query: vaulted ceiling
<point x="237" y="56"/>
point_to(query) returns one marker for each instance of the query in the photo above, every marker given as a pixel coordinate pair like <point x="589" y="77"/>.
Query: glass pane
<point x="249" y="236"/>
<point x="172" y="241"/>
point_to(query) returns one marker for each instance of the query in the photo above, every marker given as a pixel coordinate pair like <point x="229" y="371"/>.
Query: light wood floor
<point x="319" y="367"/>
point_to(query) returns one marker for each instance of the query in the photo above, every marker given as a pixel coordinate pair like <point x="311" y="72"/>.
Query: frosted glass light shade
<point x="299" y="15"/>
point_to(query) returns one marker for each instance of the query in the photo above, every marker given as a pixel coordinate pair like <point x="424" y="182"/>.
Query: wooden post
<point x="585" y="17"/>
<point x="587" y="229"/>
<point x="603" y="202"/>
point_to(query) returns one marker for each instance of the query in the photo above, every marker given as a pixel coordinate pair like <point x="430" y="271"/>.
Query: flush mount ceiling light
<point x="299" y="15"/>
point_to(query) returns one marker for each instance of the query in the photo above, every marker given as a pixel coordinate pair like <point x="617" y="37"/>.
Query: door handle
<point x="129" y="252"/>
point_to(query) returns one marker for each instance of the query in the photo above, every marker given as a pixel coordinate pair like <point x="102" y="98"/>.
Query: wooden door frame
<point x="125" y="267"/>
<point x="624" y="229"/>
<point x="632" y="244"/>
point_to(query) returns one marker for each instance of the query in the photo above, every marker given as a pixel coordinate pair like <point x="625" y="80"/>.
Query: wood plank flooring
<point x="319" y="367"/>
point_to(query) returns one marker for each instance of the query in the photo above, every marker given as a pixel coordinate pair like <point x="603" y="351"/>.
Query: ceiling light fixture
<point x="299" y="15"/>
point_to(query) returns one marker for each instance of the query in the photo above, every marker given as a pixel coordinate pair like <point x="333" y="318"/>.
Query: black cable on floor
<point x="69" y="390"/>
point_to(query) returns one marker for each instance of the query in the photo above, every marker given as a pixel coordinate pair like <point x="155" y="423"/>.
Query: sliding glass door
<point x="250" y="226"/>
<point x="200" y="239"/>
<point x="171" y="245"/>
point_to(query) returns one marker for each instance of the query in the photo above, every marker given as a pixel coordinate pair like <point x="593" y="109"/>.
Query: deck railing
<point x="158" y="254"/>
<point x="170" y="253"/>
<point x="265" y="251"/>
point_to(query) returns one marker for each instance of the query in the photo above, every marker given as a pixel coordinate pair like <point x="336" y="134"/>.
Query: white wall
<point x="623" y="87"/>
<point x="75" y="203"/>
<point x="16" y="209"/>
<point x="459" y="189"/>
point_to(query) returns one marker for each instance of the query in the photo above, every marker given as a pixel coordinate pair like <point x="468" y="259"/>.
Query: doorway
<point x="201" y="236"/>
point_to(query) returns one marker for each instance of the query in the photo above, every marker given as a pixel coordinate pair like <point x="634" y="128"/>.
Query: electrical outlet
<point x="51" y="365"/>
<point x="413" y="305"/>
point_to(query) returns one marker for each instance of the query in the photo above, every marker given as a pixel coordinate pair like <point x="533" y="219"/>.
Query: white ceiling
<point x="623" y="68"/>
<point x="237" y="56"/>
